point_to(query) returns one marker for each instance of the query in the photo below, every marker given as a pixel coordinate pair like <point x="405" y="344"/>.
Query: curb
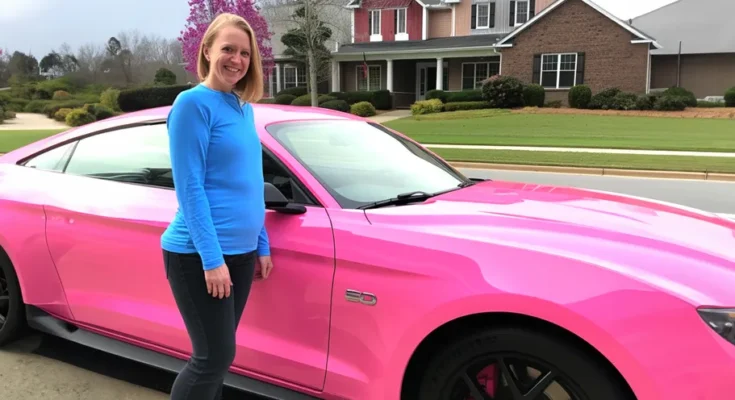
<point x="703" y="176"/>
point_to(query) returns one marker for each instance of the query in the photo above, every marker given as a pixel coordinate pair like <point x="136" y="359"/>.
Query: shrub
<point x="108" y="98"/>
<point x="363" y="109"/>
<point x="61" y="95"/>
<point x="164" y="77"/>
<point x="61" y="114"/>
<point x="553" y="104"/>
<point x="339" y="95"/>
<point x="709" y="104"/>
<point x="466" y="105"/>
<point x="50" y="109"/>
<point x="437" y="94"/>
<point x="7" y="114"/>
<point x="285" y="99"/>
<point x="14" y="104"/>
<point x="645" y="102"/>
<point x="36" y="106"/>
<point x="671" y="103"/>
<point x="79" y="117"/>
<point x="464" y="95"/>
<point x="99" y="111"/>
<point x="534" y="95"/>
<point x="295" y="91"/>
<point x="303" y="100"/>
<point x="624" y="101"/>
<point x="382" y="100"/>
<point x="688" y="97"/>
<point x="730" y="97"/>
<point x="604" y="99"/>
<point x="503" y="91"/>
<point x="580" y="96"/>
<point x="336" y="104"/>
<point x="323" y="98"/>
<point x="149" y="97"/>
<point x="426" y="107"/>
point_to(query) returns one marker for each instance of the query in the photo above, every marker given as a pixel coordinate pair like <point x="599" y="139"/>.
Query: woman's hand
<point x="266" y="266"/>
<point x="218" y="281"/>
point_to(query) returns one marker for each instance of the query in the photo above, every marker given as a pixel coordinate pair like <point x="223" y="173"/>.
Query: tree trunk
<point x="312" y="78"/>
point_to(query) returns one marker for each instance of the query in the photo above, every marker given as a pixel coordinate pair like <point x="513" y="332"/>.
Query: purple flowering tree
<point x="202" y="12"/>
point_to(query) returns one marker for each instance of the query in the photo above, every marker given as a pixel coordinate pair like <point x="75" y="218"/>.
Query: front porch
<point x="409" y="74"/>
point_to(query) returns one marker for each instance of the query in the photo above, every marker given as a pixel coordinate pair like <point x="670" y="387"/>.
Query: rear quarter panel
<point x="23" y="238"/>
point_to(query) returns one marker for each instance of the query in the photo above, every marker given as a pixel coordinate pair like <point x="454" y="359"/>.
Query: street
<point x="712" y="196"/>
<point x="43" y="367"/>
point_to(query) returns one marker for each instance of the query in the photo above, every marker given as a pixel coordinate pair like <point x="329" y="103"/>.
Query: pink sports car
<point x="396" y="277"/>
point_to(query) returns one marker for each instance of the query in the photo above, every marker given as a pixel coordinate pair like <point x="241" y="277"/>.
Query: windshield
<point x="360" y="162"/>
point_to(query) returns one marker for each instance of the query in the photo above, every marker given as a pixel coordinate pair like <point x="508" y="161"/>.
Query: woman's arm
<point x="189" y="132"/>
<point x="263" y="243"/>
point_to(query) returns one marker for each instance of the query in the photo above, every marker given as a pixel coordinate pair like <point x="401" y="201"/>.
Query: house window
<point x="373" y="79"/>
<point x="293" y="76"/>
<point x="522" y="11"/>
<point x="400" y="24"/>
<point x="483" y="15"/>
<point x="474" y="73"/>
<point x="558" y="71"/>
<point x="374" y="22"/>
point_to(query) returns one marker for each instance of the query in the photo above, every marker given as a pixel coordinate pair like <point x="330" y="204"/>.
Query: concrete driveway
<point x="30" y="121"/>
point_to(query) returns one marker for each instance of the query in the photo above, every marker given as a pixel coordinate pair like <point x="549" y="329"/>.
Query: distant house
<point x="703" y="29"/>
<point x="413" y="46"/>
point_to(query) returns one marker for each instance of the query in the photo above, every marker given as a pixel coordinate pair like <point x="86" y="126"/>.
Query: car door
<point x="114" y="201"/>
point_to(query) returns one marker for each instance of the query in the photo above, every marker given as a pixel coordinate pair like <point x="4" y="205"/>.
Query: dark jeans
<point x="211" y="322"/>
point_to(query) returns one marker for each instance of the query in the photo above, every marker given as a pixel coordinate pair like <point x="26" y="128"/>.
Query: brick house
<point x="575" y="42"/>
<point x="413" y="46"/>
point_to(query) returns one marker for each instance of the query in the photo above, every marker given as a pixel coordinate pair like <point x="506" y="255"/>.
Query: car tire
<point x="583" y="375"/>
<point x="15" y="321"/>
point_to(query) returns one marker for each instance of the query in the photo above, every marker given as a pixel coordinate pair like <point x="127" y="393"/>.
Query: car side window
<point x="133" y="155"/>
<point x="52" y="160"/>
<point x="276" y="174"/>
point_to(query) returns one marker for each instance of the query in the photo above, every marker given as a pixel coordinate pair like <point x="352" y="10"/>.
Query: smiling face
<point x="228" y="57"/>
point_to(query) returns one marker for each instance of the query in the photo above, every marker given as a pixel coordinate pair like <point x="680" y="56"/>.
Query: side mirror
<point x="276" y="201"/>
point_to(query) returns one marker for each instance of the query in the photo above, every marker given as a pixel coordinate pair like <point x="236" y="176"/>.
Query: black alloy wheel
<point x="511" y="363"/>
<point x="12" y="321"/>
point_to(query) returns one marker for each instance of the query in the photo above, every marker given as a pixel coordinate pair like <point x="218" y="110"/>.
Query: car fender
<point x="574" y="320"/>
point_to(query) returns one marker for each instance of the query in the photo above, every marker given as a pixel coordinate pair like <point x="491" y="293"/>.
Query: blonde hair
<point x="250" y="87"/>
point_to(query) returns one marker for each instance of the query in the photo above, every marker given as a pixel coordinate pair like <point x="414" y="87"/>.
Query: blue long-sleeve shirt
<point x="217" y="164"/>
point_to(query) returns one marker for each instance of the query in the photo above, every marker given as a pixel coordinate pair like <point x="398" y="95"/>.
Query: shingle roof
<point x="702" y="26"/>
<point x="428" y="44"/>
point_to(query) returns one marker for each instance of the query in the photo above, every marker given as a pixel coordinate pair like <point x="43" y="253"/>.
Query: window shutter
<point x="536" y="69"/>
<point x="395" y="21"/>
<point x="473" y="18"/>
<point x="580" y="69"/>
<point x="512" y="17"/>
<point x="370" y="23"/>
<point x="531" y="9"/>
<point x="492" y="15"/>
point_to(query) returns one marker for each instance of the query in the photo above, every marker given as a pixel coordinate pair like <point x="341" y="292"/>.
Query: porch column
<point x="439" y="73"/>
<point x="389" y="75"/>
<point x="335" y="76"/>
<point x="278" y="77"/>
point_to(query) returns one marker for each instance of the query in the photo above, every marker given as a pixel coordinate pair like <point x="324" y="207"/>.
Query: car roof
<point x="265" y="114"/>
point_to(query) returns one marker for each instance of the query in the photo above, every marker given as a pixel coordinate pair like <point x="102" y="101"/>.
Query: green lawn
<point x="498" y="127"/>
<point x="11" y="140"/>
<point x="617" y="161"/>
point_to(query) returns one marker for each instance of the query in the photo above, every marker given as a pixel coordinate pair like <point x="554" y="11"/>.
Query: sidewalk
<point x="31" y="121"/>
<point x="584" y="150"/>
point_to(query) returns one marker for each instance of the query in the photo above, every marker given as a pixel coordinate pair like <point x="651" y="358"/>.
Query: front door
<point x="103" y="233"/>
<point x="426" y="78"/>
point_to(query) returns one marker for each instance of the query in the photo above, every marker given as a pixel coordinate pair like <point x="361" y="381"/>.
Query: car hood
<point x="683" y="250"/>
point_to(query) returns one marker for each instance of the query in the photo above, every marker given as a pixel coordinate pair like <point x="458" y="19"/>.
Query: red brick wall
<point x="610" y="58"/>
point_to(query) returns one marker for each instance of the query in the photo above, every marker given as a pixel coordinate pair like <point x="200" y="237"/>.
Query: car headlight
<point x="721" y="320"/>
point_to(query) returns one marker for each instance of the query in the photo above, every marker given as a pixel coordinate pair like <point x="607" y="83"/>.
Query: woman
<point x="210" y="247"/>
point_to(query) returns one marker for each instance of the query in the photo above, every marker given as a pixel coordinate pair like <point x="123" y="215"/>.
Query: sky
<point x="40" y="26"/>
